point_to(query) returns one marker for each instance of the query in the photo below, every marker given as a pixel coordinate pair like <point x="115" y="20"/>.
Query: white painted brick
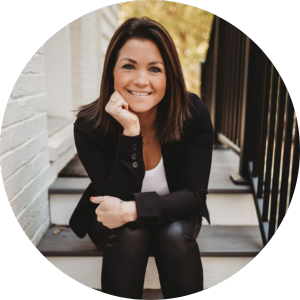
<point x="30" y="213"/>
<point x="25" y="161"/>
<point x="6" y="140"/>
<point x="23" y="108"/>
<point x="14" y="183"/>
<point x="22" y="140"/>
<point x="11" y="114"/>
<point x="40" y="217"/>
<point x="20" y="132"/>
<point x="40" y="232"/>
<point x="28" y="193"/>
<point x="19" y="156"/>
<point x="41" y="102"/>
<point x="29" y="84"/>
<point x="17" y="111"/>
<point x="36" y="205"/>
<point x="35" y="65"/>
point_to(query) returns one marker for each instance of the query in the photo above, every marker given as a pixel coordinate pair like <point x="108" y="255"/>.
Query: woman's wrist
<point x="133" y="131"/>
<point x="129" y="211"/>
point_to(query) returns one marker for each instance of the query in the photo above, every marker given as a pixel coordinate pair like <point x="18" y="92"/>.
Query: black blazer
<point x="115" y="171"/>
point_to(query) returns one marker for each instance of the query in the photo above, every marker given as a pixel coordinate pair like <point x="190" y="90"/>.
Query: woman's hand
<point x="108" y="211"/>
<point x="118" y="108"/>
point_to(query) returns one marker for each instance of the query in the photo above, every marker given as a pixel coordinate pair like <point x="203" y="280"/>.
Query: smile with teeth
<point x="139" y="94"/>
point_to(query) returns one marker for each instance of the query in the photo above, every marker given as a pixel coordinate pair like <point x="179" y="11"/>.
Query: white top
<point x="155" y="180"/>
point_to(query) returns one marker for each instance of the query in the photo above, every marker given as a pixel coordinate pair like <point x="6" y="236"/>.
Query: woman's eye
<point x="128" y="67"/>
<point x="155" y="69"/>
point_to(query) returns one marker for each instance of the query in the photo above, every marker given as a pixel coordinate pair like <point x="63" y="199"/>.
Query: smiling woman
<point x="173" y="109"/>
<point x="146" y="145"/>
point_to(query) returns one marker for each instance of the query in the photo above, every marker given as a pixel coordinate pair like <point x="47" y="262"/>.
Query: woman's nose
<point x="141" y="78"/>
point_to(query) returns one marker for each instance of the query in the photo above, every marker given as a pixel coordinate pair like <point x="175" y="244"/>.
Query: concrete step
<point x="224" y="251"/>
<point x="225" y="209"/>
<point x="151" y="294"/>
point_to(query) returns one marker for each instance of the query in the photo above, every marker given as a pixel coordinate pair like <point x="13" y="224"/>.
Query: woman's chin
<point x="139" y="110"/>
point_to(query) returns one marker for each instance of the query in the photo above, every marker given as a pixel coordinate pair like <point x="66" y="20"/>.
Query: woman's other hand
<point x="108" y="211"/>
<point x="118" y="108"/>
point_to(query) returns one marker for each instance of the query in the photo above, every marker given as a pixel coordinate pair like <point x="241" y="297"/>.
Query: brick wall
<point x="30" y="157"/>
<point x="23" y="149"/>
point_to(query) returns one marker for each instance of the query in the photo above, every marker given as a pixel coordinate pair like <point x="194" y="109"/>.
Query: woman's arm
<point x="111" y="173"/>
<point x="190" y="198"/>
<point x="103" y="161"/>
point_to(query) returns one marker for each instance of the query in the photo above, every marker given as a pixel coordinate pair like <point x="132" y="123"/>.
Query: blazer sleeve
<point x="112" y="169"/>
<point x="114" y="173"/>
<point x="190" y="198"/>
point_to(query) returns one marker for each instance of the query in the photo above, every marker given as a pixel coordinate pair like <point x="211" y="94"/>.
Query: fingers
<point x="118" y="108"/>
<point x="115" y="97"/>
<point x="116" y="103"/>
<point x="98" y="199"/>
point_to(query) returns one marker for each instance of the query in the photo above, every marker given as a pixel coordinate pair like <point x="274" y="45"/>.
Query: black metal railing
<point x="253" y="114"/>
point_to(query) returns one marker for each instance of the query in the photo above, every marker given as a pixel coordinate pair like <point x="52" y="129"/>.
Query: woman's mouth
<point x="139" y="93"/>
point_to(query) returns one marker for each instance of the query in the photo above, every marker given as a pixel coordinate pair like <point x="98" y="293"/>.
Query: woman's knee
<point x="133" y="242"/>
<point x="175" y="239"/>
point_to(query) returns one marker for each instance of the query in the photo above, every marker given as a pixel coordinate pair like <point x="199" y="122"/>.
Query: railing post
<point x="246" y="140"/>
<point x="248" y="108"/>
<point x="218" y="84"/>
<point x="286" y="159"/>
<point x="215" y="70"/>
<point x="295" y="165"/>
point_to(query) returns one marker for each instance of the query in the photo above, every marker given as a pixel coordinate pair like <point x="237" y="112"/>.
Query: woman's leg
<point x="177" y="257"/>
<point x="125" y="259"/>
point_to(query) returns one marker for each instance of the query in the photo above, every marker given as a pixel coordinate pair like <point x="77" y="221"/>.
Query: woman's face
<point x="140" y="75"/>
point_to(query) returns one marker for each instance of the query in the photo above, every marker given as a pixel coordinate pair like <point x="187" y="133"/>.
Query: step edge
<point x="209" y="253"/>
<point x="63" y="191"/>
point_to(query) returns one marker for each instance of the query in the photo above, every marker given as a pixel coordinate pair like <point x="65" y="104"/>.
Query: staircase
<point x="231" y="241"/>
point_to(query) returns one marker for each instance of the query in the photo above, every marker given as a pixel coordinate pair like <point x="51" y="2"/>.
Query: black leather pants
<point x="126" y="253"/>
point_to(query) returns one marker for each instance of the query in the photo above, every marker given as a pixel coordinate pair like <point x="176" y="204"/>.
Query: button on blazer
<point x="116" y="168"/>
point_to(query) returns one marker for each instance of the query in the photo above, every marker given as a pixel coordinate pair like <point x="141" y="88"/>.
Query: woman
<point x="146" y="145"/>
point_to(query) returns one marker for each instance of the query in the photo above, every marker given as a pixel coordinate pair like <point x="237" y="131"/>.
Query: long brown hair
<point x="173" y="110"/>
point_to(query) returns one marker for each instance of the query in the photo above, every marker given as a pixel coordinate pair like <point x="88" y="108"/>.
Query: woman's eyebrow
<point x="156" y="62"/>
<point x="131" y="60"/>
<point x="134" y="62"/>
